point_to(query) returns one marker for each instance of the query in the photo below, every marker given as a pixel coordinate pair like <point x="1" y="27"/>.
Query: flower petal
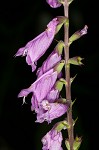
<point x="56" y="110"/>
<point x="52" y="140"/>
<point x="54" y="3"/>
<point x="52" y="95"/>
<point x="41" y="86"/>
<point x="49" y="63"/>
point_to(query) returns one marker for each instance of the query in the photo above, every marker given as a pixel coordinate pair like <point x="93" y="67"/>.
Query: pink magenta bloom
<point x="49" y="111"/>
<point x="54" y="3"/>
<point x="38" y="46"/>
<point x="52" y="95"/>
<point x="49" y="63"/>
<point x="52" y="140"/>
<point x="41" y="86"/>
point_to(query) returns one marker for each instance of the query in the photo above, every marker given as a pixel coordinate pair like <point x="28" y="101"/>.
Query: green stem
<point x="67" y="74"/>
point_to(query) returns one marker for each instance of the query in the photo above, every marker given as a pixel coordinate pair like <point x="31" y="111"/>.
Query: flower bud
<point x="76" y="60"/>
<point x="54" y="3"/>
<point x="78" y="34"/>
<point x="77" y="143"/>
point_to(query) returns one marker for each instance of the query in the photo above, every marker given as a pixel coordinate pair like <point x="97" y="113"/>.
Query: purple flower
<point x="34" y="49"/>
<point x="52" y="95"/>
<point x="41" y="86"/>
<point x="54" y="3"/>
<point x="52" y="140"/>
<point x="49" y="111"/>
<point x="84" y="30"/>
<point x="49" y="63"/>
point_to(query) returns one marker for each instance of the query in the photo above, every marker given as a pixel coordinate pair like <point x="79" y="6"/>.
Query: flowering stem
<point x="67" y="74"/>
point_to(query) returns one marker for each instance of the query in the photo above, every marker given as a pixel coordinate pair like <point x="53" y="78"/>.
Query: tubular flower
<point x="34" y="49"/>
<point x="41" y="86"/>
<point x="51" y="97"/>
<point x="49" y="111"/>
<point x="51" y="61"/>
<point x="52" y="140"/>
<point x="54" y="3"/>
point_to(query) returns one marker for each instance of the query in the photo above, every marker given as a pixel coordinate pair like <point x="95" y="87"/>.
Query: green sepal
<point x="72" y="78"/>
<point x="61" y="1"/>
<point x="59" y="47"/>
<point x="59" y="84"/>
<point x="59" y="66"/>
<point x="70" y="1"/>
<point x="62" y="125"/>
<point x="62" y="20"/>
<point x="67" y="144"/>
<point x="76" y="60"/>
<point x="77" y="143"/>
<point x="62" y="100"/>
<point x="74" y="37"/>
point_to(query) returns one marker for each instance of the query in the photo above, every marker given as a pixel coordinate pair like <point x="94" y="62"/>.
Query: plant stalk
<point x="67" y="76"/>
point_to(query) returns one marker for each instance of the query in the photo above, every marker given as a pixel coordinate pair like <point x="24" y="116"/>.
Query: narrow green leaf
<point x="72" y="79"/>
<point x="75" y="121"/>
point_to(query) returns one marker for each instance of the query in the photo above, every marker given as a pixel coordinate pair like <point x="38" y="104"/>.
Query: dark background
<point x="20" y="22"/>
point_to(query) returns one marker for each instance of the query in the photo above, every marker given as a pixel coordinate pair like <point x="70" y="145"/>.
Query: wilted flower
<point x="34" y="49"/>
<point x="52" y="140"/>
<point x="54" y="3"/>
<point x="49" y="111"/>
<point x="41" y="86"/>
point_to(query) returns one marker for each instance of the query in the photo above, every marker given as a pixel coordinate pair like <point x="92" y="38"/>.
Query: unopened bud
<point x="77" y="143"/>
<point x="76" y="60"/>
<point x="78" y="34"/>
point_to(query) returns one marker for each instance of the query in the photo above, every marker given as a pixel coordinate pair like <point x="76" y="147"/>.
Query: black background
<point x="20" y="22"/>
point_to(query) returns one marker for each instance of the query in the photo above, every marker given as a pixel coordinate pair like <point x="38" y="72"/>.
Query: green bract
<point x="59" y="66"/>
